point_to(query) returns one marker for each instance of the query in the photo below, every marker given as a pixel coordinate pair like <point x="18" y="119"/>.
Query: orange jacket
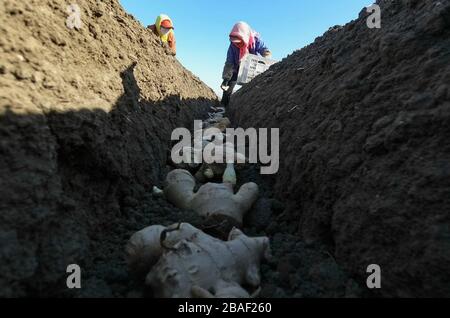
<point x="170" y="41"/>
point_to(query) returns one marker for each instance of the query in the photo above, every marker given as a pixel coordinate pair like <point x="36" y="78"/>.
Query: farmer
<point x="243" y="41"/>
<point x="165" y="30"/>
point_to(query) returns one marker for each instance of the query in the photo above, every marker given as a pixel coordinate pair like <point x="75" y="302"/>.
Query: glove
<point x="228" y="71"/>
<point x="167" y="49"/>
<point x="225" y="85"/>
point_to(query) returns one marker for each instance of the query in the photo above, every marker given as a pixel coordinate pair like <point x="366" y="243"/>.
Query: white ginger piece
<point x="229" y="175"/>
<point x="213" y="134"/>
<point x="224" y="290"/>
<point x="208" y="172"/>
<point x="157" y="192"/>
<point x="195" y="156"/>
<point x="179" y="189"/>
<point x="208" y="267"/>
<point x="223" y="124"/>
<point x="220" y="111"/>
<point x="226" y="154"/>
<point x="219" y="200"/>
<point x="215" y="115"/>
<point x="220" y="123"/>
<point x="211" y="199"/>
<point x="144" y="248"/>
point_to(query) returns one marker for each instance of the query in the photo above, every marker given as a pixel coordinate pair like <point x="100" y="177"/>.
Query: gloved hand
<point x="167" y="49"/>
<point x="225" y="85"/>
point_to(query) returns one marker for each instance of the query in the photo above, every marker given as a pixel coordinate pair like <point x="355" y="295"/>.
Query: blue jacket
<point x="233" y="58"/>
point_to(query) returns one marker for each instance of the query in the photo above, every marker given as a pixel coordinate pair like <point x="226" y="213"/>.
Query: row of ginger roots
<point x="182" y="261"/>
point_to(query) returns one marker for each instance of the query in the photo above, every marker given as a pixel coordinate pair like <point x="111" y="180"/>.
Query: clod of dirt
<point x="365" y="155"/>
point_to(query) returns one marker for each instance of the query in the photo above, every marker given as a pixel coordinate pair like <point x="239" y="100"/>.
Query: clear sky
<point x="202" y="26"/>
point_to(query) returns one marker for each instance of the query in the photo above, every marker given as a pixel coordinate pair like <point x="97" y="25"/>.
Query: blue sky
<point x="202" y="26"/>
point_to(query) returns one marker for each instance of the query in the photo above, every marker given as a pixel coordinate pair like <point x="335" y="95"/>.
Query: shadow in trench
<point x="67" y="180"/>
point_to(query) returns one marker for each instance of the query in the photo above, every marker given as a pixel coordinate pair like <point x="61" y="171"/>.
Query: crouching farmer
<point x="164" y="29"/>
<point x="243" y="41"/>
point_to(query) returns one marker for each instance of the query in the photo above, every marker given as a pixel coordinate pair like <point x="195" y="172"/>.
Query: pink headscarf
<point x="243" y="31"/>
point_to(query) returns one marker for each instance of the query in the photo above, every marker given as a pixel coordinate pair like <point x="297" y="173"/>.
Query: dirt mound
<point x="85" y="120"/>
<point x="365" y="151"/>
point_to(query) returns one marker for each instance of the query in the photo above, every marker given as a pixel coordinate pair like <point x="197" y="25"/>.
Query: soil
<point x="85" y="122"/>
<point x="365" y="152"/>
<point x="296" y="269"/>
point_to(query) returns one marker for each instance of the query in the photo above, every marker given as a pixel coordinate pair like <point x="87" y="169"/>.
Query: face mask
<point x="239" y="44"/>
<point x="236" y="41"/>
<point x="164" y="31"/>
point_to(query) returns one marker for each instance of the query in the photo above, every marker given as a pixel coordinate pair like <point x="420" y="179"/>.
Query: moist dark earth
<point x="85" y="123"/>
<point x="365" y="152"/>
<point x="85" y="120"/>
